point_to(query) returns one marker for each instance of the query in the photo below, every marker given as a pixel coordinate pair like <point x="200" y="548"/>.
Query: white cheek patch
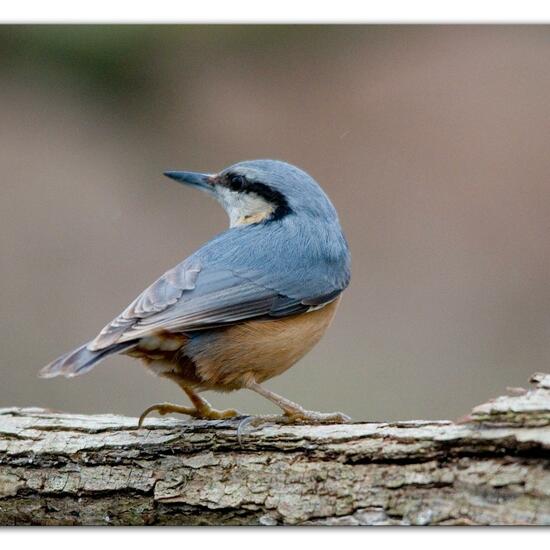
<point x="244" y="208"/>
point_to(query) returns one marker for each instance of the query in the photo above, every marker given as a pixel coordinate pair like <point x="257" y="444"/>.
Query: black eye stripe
<point x="239" y="182"/>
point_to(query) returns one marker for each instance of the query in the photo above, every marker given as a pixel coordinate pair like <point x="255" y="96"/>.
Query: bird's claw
<point x="203" y="413"/>
<point x="290" y="417"/>
<point x="314" y="417"/>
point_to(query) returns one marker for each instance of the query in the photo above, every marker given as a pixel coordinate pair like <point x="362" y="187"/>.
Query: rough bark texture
<point x="492" y="468"/>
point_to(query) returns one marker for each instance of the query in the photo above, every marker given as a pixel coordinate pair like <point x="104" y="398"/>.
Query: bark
<point x="490" y="468"/>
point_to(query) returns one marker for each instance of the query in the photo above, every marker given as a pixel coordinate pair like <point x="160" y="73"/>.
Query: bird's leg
<point x="201" y="409"/>
<point x="294" y="412"/>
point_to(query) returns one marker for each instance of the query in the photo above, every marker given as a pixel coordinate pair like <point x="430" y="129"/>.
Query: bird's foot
<point x="204" y="412"/>
<point x="302" y="416"/>
<point x="294" y="413"/>
<point x="294" y="416"/>
<point x="297" y="416"/>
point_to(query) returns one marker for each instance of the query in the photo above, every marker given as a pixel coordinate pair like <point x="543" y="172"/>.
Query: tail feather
<point x="80" y="360"/>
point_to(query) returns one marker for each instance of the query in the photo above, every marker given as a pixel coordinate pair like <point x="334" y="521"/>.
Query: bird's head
<point x="261" y="191"/>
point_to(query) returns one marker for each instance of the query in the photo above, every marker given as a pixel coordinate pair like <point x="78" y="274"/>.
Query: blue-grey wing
<point x="160" y="296"/>
<point x="223" y="283"/>
<point x="184" y="300"/>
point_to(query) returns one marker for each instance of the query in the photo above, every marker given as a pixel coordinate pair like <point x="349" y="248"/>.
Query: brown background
<point x="432" y="142"/>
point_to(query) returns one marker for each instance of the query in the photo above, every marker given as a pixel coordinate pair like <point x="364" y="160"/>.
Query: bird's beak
<point x="196" y="179"/>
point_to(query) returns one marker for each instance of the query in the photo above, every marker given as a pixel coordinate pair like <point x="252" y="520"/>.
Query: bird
<point x="244" y="307"/>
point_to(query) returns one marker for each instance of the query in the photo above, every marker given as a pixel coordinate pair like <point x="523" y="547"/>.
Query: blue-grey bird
<point x="247" y="305"/>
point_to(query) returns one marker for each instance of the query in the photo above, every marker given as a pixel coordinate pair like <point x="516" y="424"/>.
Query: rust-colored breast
<point x="260" y="349"/>
<point x="226" y="359"/>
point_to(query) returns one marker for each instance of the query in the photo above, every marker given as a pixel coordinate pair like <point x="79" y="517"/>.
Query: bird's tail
<point x="80" y="360"/>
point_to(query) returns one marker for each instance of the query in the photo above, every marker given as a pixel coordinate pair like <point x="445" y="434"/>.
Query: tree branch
<point x="491" y="468"/>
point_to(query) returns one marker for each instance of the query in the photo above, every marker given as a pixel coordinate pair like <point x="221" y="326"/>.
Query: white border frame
<point x="281" y="11"/>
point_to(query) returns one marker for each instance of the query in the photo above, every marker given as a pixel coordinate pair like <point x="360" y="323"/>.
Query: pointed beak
<point x="195" y="179"/>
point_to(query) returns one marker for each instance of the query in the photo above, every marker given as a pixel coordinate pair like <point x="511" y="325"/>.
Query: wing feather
<point x="230" y="280"/>
<point x="162" y="294"/>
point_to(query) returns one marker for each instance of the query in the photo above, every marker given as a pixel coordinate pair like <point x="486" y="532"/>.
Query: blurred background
<point x="432" y="142"/>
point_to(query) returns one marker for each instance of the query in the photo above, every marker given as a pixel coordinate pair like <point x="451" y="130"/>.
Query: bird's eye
<point x="236" y="182"/>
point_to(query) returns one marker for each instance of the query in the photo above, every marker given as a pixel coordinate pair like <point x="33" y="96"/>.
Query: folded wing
<point x="230" y="280"/>
<point x="189" y="298"/>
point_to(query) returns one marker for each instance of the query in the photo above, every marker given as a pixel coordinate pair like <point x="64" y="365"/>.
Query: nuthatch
<point x="247" y="305"/>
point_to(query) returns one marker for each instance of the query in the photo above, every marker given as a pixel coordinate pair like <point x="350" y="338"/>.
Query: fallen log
<point x="492" y="467"/>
